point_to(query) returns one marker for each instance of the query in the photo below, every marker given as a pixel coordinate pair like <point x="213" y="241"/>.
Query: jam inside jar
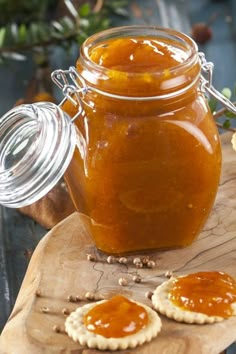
<point x="147" y="162"/>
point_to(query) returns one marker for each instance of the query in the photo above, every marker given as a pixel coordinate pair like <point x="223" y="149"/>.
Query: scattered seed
<point x="65" y="311"/>
<point x="151" y="264"/>
<point x="89" y="296"/>
<point x="137" y="260"/>
<point x="56" y="329"/>
<point x="168" y="274"/>
<point x="145" y="260"/>
<point x="122" y="281"/>
<point x="139" y="265"/>
<point x="71" y="298"/>
<point x="123" y="260"/>
<point x="111" y="259"/>
<point x="149" y="295"/>
<point x="38" y="293"/>
<point x="98" y="297"/>
<point x="78" y="298"/>
<point x="91" y="257"/>
<point x="44" y="309"/>
<point x="137" y="279"/>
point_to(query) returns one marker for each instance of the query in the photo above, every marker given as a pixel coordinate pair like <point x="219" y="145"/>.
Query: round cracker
<point x="75" y="328"/>
<point x="162" y="303"/>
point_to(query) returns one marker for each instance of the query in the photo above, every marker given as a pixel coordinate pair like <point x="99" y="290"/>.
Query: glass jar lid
<point x="37" y="142"/>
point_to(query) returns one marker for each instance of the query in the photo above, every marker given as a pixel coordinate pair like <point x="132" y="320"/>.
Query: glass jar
<point x="146" y="152"/>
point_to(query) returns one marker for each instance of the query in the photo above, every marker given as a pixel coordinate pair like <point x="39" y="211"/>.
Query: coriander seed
<point x="38" y="293"/>
<point x="98" y="297"/>
<point x="168" y="274"/>
<point x="56" y="329"/>
<point x="78" y="298"/>
<point x="91" y="257"/>
<point x="149" y="295"/>
<point x="122" y="281"/>
<point x="71" y="298"/>
<point x="137" y="278"/>
<point x="90" y="296"/>
<point x="145" y="260"/>
<point x="139" y="265"/>
<point x="111" y="259"/>
<point x="44" y="309"/>
<point x="137" y="260"/>
<point x="151" y="264"/>
<point x="123" y="260"/>
<point x="65" y="311"/>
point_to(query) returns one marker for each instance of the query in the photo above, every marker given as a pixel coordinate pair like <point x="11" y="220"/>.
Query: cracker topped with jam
<point x="203" y="297"/>
<point x="118" y="323"/>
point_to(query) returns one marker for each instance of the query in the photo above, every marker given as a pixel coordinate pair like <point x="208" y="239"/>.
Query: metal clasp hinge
<point x="73" y="87"/>
<point x="207" y="86"/>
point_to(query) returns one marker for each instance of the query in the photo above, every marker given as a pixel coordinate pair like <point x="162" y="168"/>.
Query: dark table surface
<point x="19" y="234"/>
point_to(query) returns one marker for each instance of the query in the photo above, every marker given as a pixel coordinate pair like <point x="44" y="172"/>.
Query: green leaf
<point x="2" y="35"/>
<point x="32" y="25"/>
<point x="34" y="33"/>
<point x="84" y="10"/>
<point x="71" y="8"/>
<point x="105" y="23"/>
<point x="85" y="23"/>
<point x="14" y="56"/>
<point x="212" y="102"/>
<point x="230" y="115"/>
<point x="116" y="6"/>
<point x="44" y="32"/>
<point x="226" y="124"/>
<point x="121" y="12"/>
<point x="22" y="33"/>
<point x="58" y="26"/>
<point x="234" y="90"/>
<point x="116" y="3"/>
<point x="9" y="39"/>
<point x="67" y="23"/>
<point x="226" y="92"/>
<point x="14" y="31"/>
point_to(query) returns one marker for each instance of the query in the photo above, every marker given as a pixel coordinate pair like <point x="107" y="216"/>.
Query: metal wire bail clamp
<point x="207" y="86"/>
<point x="72" y="85"/>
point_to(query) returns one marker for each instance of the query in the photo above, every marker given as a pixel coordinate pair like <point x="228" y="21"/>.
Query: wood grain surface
<point x="59" y="268"/>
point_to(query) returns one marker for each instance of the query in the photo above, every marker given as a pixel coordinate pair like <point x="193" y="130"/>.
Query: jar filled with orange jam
<point x="148" y="162"/>
<point x="134" y="138"/>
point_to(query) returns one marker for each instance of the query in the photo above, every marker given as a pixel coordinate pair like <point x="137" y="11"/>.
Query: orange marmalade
<point x="116" y="318"/>
<point x="148" y="158"/>
<point x="211" y="293"/>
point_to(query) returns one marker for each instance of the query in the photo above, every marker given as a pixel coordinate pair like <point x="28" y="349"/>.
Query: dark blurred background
<point x="38" y="37"/>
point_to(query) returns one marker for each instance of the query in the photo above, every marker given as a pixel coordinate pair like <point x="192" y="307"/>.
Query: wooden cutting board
<point x="59" y="268"/>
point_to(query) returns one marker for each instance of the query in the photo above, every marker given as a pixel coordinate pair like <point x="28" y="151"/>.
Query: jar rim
<point x="139" y="30"/>
<point x="181" y="77"/>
